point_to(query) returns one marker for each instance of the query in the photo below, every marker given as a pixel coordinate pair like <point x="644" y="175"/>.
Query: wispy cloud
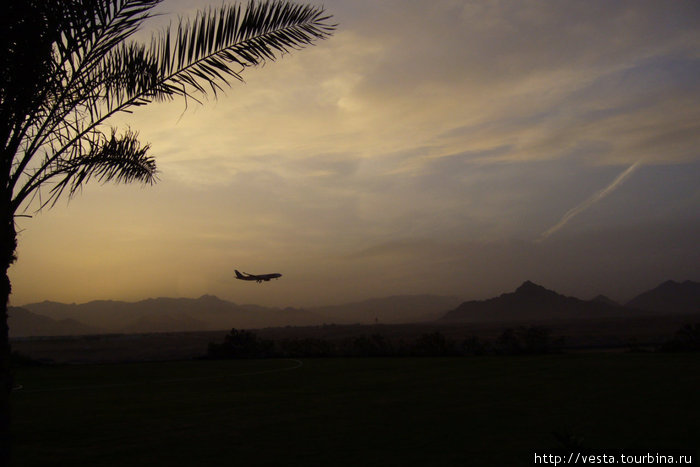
<point x="575" y="211"/>
<point x="418" y="128"/>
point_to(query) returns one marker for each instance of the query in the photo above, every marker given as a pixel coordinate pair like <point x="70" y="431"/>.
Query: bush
<point x="241" y="344"/>
<point x="687" y="339"/>
<point x="433" y="345"/>
<point x="528" y="341"/>
<point x="474" y="346"/>
<point x="513" y="341"/>
<point x="375" y="345"/>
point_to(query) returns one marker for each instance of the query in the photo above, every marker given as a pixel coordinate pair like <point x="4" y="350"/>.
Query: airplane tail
<point x="238" y="274"/>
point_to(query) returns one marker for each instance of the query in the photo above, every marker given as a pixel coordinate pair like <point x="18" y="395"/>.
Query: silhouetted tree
<point x="528" y="340"/>
<point x="66" y="68"/>
<point x="538" y="340"/>
<point x="375" y="345"/>
<point x="433" y="345"/>
<point x="241" y="344"/>
<point x="474" y="346"/>
<point x="687" y="339"/>
<point x="509" y="342"/>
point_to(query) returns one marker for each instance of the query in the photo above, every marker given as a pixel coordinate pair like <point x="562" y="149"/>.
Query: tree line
<point x="532" y="340"/>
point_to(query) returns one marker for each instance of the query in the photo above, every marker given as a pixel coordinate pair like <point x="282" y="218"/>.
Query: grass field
<point x="352" y="412"/>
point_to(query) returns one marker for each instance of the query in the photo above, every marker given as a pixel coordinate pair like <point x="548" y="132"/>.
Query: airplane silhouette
<point x="257" y="278"/>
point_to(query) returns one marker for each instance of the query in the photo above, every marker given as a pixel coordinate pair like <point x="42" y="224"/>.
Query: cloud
<point x="575" y="211"/>
<point x="423" y="135"/>
<point x="453" y="77"/>
<point x="398" y="248"/>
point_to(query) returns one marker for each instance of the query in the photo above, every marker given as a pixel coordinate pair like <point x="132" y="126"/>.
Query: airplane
<point x="257" y="278"/>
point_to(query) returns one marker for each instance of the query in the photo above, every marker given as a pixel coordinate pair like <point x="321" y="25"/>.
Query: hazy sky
<point x="442" y="146"/>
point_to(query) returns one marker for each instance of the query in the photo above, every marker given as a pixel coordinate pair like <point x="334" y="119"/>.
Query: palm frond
<point x="90" y="73"/>
<point x="203" y="54"/>
<point x="120" y="159"/>
<point x="80" y="33"/>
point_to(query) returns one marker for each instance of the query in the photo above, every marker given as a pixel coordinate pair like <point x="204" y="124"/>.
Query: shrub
<point x="528" y="341"/>
<point x="375" y="345"/>
<point x="433" y="345"/>
<point x="474" y="346"/>
<point x="687" y="339"/>
<point x="241" y="344"/>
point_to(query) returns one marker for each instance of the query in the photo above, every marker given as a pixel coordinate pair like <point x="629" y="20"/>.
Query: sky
<point x="443" y="147"/>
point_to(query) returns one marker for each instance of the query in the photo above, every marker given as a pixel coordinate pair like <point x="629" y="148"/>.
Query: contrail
<point x="571" y="213"/>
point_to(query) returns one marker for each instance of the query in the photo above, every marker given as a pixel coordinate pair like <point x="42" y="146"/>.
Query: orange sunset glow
<point x="444" y="147"/>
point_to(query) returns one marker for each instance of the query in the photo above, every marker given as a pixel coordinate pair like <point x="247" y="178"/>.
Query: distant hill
<point x="24" y="323"/>
<point x="209" y="313"/>
<point x="529" y="302"/>
<point x="670" y="297"/>
<point x="604" y="299"/>
<point x="205" y="313"/>
<point x="532" y="302"/>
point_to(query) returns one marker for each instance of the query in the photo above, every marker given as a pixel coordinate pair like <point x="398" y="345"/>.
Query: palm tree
<point x="66" y="67"/>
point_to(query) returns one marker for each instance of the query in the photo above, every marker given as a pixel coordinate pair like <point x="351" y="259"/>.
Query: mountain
<point x="206" y="313"/>
<point x="604" y="299"/>
<point x="531" y="302"/>
<point x="209" y="313"/>
<point x="24" y="323"/>
<point x="670" y="297"/>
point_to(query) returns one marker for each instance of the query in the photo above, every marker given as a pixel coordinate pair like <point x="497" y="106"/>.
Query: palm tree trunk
<point x="8" y="245"/>
<point x="5" y="373"/>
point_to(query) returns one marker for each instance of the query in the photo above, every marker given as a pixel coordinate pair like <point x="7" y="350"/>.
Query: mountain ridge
<point x="532" y="302"/>
<point x="23" y="322"/>
<point x="209" y="313"/>
<point x="669" y="296"/>
<point x="529" y="302"/>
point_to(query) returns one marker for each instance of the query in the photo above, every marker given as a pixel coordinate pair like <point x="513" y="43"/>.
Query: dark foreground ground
<point x="491" y="410"/>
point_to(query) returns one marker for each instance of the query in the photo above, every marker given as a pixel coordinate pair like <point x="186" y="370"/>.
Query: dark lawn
<point x="352" y="412"/>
